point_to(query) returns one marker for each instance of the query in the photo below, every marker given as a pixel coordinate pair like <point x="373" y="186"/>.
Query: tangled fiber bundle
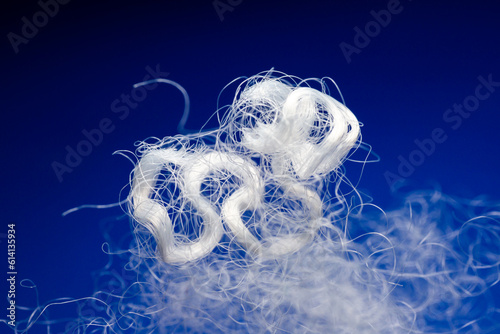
<point x="254" y="228"/>
<point x="247" y="230"/>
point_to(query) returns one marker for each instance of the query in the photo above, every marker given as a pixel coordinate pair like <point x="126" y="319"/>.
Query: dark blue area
<point x="65" y="79"/>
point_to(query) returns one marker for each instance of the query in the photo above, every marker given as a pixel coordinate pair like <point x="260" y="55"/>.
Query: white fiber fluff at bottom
<point x="413" y="270"/>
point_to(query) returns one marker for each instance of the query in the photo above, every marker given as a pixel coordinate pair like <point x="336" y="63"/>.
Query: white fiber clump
<point x="277" y="144"/>
<point x="255" y="228"/>
<point x="250" y="229"/>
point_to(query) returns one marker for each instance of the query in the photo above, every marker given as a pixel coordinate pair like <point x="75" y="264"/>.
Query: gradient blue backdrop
<point x="65" y="79"/>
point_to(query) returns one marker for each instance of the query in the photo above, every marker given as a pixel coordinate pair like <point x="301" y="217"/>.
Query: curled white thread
<point x="154" y="215"/>
<point x="181" y="126"/>
<point x="290" y="133"/>
<point x="242" y="201"/>
<point x="301" y="129"/>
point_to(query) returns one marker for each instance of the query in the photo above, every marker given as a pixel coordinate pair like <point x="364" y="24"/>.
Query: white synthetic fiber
<point x="253" y="234"/>
<point x="275" y="134"/>
<point x="255" y="228"/>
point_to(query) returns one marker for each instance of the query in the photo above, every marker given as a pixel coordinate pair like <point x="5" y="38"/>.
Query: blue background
<point x="65" y="79"/>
